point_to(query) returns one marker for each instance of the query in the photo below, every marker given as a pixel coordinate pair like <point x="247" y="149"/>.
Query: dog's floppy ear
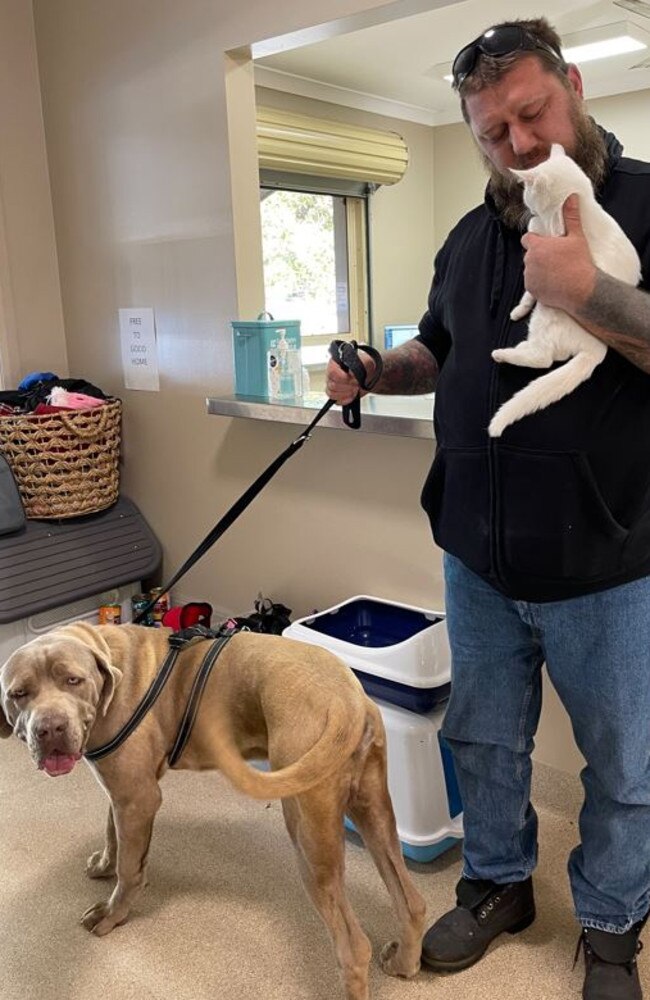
<point x="5" y="728"/>
<point x="90" y="636"/>
<point x="112" y="677"/>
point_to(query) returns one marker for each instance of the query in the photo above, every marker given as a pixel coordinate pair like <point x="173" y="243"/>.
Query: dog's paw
<point x="394" y="963"/>
<point x="100" y="919"/>
<point x="100" y="866"/>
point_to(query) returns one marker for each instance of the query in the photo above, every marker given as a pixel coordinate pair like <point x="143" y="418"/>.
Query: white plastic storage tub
<point x="15" y="634"/>
<point x="422" y="783"/>
<point x="400" y="653"/>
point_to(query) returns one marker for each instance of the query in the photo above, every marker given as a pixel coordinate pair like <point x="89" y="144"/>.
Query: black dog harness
<point x="178" y="641"/>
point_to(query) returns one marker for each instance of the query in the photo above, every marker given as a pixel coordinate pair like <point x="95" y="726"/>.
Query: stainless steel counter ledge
<point x="405" y="416"/>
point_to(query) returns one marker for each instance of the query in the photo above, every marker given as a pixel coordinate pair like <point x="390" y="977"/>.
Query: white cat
<point x="552" y="334"/>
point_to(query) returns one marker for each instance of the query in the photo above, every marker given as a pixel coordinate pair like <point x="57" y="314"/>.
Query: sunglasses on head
<point x="496" y="42"/>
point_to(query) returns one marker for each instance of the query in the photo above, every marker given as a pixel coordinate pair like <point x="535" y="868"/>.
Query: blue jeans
<point x="597" y="653"/>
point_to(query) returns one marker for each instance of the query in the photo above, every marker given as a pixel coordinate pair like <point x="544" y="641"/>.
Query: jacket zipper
<point x="493" y="443"/>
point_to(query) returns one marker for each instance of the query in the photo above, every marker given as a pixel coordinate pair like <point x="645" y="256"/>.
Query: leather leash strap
<point x="346" y="356"/>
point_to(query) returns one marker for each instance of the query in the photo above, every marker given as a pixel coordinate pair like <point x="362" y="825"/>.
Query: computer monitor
<point x="396" y="335"/>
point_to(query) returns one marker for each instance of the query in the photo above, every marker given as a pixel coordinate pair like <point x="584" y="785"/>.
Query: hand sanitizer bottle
<point x="286" y="387"/>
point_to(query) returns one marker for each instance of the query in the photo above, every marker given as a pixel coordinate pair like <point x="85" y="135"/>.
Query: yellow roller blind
<point x="300" y="144"/>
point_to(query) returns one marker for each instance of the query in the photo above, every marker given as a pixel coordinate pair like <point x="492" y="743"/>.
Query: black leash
<point x="345" y="354"/>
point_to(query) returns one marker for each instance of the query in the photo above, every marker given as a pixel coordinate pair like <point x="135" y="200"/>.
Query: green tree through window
<point x="298" y="237"/>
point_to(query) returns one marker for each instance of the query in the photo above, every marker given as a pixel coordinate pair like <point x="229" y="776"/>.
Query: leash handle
<point x="346" y="355"/>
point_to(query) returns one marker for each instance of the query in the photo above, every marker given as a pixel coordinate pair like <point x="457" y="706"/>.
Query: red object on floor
<point x="185" y="615"/>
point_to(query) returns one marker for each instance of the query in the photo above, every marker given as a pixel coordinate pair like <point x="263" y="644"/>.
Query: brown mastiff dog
<point x="70" y="691"/>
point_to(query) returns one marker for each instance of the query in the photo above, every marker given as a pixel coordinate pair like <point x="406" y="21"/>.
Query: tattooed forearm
<point x="409" y="370"/>
<point x="619" y="316"/>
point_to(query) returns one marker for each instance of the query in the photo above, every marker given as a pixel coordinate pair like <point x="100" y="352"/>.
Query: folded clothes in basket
<point x="72" y="400"/>
<point x="36" y="390"/>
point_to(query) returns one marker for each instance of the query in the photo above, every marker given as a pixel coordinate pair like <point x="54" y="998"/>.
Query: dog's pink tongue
<point x="59" y="763"/>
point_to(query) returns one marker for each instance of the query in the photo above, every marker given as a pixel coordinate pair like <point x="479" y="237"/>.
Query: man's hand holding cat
<point x="559" y="270"/>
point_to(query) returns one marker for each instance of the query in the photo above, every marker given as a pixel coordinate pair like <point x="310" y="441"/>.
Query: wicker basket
<point x="66" y="463"/>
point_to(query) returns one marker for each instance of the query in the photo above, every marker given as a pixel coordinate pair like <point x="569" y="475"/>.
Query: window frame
<point x="355" y="198"/>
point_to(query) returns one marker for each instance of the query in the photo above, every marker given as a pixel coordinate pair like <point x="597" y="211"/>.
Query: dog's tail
<point x="341" y="736"/>
<point x="544" y="390"/>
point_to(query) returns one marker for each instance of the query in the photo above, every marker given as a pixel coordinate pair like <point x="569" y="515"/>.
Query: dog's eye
<point x="73" y="681"/>
<point x="18" y="694"/>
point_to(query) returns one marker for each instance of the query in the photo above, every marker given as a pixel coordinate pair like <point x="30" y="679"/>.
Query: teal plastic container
<point x="254" y="344"/>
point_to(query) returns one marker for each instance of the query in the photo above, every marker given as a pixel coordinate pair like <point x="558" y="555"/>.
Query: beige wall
<point x="136" y="129"/>
<point x="401" y="215"/>
<point x="135" y="120"/>
<point x="626" y="115"/>
<point x="31" y="321"/>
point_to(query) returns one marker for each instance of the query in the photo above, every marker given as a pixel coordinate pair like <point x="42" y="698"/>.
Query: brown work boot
<point x="611" y="971"/>
<point x="484" y="910"/>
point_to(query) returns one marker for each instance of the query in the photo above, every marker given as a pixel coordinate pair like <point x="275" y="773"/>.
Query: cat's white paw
<point x="503" y="354"/>
<point x="496" y="426"/>
<point x="519" y="312"/>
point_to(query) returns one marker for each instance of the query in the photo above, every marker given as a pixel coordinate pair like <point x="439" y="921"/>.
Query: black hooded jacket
<point x="558" y="506"/>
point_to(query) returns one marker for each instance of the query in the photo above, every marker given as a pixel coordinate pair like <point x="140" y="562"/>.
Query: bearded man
<point x="545" y="530"/>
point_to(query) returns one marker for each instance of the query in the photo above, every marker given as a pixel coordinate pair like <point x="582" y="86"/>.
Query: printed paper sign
<point x="139" y="354"/>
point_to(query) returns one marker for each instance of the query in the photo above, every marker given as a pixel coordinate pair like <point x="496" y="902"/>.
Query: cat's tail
<point x="544" y="390"/>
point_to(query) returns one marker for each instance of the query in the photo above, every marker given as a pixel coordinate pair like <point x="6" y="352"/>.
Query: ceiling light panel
<point x="603" y="42"/>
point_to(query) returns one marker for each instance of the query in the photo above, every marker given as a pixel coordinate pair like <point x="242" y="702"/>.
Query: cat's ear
<point x="556" y="151"/>
<point x="521" y="175"/>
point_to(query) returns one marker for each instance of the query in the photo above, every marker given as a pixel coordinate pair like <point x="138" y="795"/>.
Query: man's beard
<point x="590" y="155"/>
